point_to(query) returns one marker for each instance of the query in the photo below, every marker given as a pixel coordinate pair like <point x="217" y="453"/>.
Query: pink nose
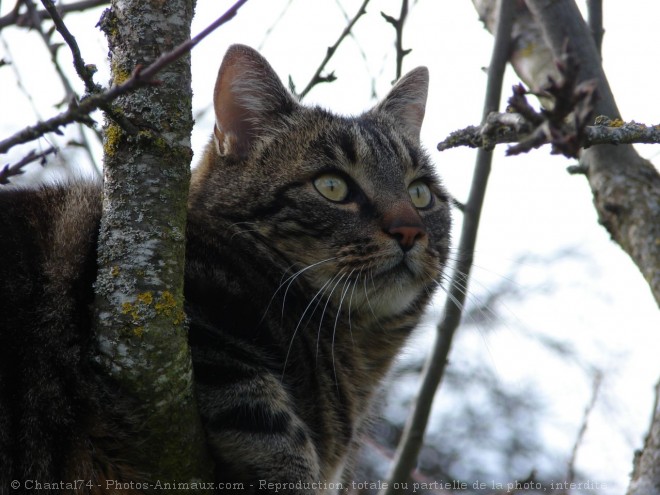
<point x="406" y="235"/>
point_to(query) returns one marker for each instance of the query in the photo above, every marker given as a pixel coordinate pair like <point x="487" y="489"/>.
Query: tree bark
<point x="625" y="186"/>
<point x="140" y="326"/>
<point x="646" y="472"/>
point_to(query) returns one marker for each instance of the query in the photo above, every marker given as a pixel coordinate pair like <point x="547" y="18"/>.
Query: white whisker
<point x="302" y="317"/>
<point x="334" y="330"/>
<point x="290" y="281"/>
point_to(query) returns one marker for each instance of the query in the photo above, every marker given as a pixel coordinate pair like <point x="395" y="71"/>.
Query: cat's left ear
<point x="406" y="101"/>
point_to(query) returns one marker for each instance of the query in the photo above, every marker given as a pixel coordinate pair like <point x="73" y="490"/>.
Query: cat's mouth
<point x="403" y="267"/>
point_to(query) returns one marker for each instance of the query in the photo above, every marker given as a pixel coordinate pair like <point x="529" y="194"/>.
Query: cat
<point x="314" y="242"/>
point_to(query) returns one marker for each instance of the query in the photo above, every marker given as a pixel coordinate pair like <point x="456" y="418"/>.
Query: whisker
<point x="302" y="317"/>
<point x="318" y="302"/>
<point x="334" y="330"/>
<point x="239" y="231"/>
<point x="325" y="307"/>
<point x="366" y="295"/>
<point x="350" y="305"/>
<point x="291" y="279"/>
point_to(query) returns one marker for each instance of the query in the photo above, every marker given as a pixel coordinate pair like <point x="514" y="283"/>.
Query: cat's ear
<point x="406" y="101"/>
<point x="248" y="100"/>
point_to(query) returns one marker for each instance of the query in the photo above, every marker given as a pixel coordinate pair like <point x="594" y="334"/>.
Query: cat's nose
<point x="407" y="235"/>
<point x="403" y="224"/>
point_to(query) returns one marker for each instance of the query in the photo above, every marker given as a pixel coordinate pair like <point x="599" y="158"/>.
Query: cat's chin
<point x="388" y="293"/>
<point x="390" y="300"/>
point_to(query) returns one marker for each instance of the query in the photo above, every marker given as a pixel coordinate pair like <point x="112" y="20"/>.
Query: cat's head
<point x="351" y="204"/>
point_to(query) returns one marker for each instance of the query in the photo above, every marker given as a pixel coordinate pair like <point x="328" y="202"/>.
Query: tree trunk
<point x="140" y="323"/>
<point x="625" y="186"/>
<point x="646" y="472"/>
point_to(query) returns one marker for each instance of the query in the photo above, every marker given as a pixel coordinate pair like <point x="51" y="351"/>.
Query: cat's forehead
<point x="367" y="146"/>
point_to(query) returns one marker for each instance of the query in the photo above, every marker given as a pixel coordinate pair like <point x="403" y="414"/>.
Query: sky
<point x="539" y="228"/>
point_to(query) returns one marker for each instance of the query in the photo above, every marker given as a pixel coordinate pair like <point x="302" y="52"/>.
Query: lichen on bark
<point x="139" y="320"/>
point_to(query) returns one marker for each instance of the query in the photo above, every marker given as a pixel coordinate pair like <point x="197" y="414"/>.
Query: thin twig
<point x="595" y="389"/>
<point x="18" y="19"/>
<point x="52" y="49"/>
<point x="413" y="434"/>
<point x="140" y="77"/>
<point x="17" y="168"/>
<point x="274" y="24"/>
<point x="12" y="17"/>
<point x="84" y="71"/>
<point x="398" y="27"/>
<point x="317" y="77"/>
<point x="360" y="48"/>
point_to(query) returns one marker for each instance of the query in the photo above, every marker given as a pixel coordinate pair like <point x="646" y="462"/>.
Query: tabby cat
<point x="314" y="242"/>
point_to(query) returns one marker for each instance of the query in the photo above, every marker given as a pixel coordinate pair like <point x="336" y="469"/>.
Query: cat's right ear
<point x="248" y="100"/>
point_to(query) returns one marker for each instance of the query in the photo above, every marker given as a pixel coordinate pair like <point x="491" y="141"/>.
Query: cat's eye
<point x="420" y="194"/>
<point x="332" y="187"/>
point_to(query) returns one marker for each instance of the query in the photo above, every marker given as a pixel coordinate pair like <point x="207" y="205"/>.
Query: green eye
<point x="332" y="187"/>
<point x="420" y="194"/>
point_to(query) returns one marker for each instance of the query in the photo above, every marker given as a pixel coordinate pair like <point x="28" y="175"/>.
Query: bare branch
<point x="85" y="72"/>
<point x="17" y="168"/>
<point x="317" y="78"/>
<point x="595" y="389"/>
<point x="398" y="27"/>
<point x="413" y="434"/>
<point x="22" y="20"/>
<point x="626" y="187"/>
<point x="52" y="49"/>
<point x="140" y="77"/>
<point x="501" y="128"/>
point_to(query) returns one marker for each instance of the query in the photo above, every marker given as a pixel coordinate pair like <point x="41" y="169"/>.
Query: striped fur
<point x="297" y="304"/>
<point x="59" y="421"/>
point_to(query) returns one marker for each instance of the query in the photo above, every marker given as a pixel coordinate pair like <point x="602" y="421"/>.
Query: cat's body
<point x="313" y="244"/>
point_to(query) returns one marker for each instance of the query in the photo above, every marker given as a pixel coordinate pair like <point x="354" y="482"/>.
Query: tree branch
<point x="398" y="27"/>
<point x="22" y="20"/>
<point x="501" y="128"/>
<point x="52" y="49"/>
<point x="595" y="389"/>
<point x="140" y="77"/>
<point x="626" y="187"/>
<point x="317" y="78"/>
<point x="84" y="71"/>
<point x="17" y="168"/>
<point x="562" y="125"/>
<point x="413" y="434"/>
